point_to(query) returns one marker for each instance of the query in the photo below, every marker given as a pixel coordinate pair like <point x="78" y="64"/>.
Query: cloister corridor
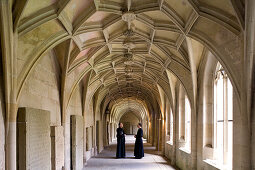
<point x="178" y="73"/>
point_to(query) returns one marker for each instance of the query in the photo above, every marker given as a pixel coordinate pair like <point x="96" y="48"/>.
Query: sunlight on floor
<point x="106" y="159"/>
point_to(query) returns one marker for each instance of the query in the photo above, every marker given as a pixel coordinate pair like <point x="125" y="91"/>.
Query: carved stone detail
<point x="128" y="16"/>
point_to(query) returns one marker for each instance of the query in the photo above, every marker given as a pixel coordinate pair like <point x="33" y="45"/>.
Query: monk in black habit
<point x="121" y="152"/>
<point x="139" y="152"/>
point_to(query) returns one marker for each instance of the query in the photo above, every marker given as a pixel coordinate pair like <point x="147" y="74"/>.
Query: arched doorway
<point x="130" y="122"/>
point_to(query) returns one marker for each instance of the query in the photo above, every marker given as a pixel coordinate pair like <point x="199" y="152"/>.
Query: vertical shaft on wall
<point x="158" y="122"/>
<point x="247" y="83"/>
<point x="86" y="86"/>
<point x="9" y="45"/>
<point x="193" y="114"/>
<point x="64" y="97"/>
<point x="63" y="79"/>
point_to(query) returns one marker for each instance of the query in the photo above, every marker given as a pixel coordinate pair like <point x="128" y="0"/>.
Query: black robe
<point x="121" y="152"/>
<point x="139" y="152"/>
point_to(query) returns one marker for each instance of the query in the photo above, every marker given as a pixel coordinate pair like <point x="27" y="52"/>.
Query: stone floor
<point x="106" y="159"/>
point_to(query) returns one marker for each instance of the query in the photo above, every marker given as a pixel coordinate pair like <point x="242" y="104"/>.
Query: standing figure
<point x="121" y="152"/>
<point x="139" y="152"/>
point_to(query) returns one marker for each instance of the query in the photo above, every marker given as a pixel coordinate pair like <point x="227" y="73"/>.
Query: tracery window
<point x="184" y="121"/>
<point x="171" y="126"/>
<point x="223" y="118"/>
<point x="187" y="124"/>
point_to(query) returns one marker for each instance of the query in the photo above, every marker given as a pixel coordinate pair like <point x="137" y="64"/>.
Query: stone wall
<point x="169" y="149"/>
<point x="203" y="148"/>
<point x="41" y="90"/>
<point x="130" y="122"/>
<point x="34" y="143"/>
<point x="90" y="128"/>
<point x="75" y="105"/>
<point x="2" y="122"/>
<point x="183" y="160"/>
<point x="74" y="108"/>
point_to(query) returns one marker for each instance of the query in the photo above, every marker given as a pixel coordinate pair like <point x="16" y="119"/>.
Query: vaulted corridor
<point x="72" y="70"/>
<point x="106" y="160"/>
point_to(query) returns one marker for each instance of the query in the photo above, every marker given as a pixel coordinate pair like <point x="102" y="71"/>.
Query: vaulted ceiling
<point x="129" y="48"/>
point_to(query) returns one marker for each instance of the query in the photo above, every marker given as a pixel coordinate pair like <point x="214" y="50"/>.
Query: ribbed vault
<point x="128" y="48"/>
<point x="106" y="58"/>
<point x="122" y="107"/>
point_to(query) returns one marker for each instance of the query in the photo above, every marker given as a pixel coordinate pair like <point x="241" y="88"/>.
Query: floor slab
<point x="106" y="160"/>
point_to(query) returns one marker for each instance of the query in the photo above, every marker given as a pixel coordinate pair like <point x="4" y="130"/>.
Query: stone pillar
<point x="155" y="131"/>
<point x="66" y="126"/>
<point x="9" y="43"/>
<point x="110" y="132"/>
<point x="176" y="135"/>
<point x="84" y="145"/>
<point x="193" y="137"/>
<point x="94" y="140"/>
<point x="247" y="87"/>
<point x="88" y="139"/>
<point x="163" y="135"/>
<point x="158" y="132"/>
<point x="11" y="133"/>
<point x="173" y="154"/>
<point x="77" y="142"/>
<point x="97" y="136"/>
<point x="182" y="117"/>
<point x="11" y="146"/>
<point x="115" y="132"/>
<point x="57" y="147"/>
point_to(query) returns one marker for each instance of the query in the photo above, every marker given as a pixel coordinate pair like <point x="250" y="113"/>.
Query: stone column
<point x="176" y="129"/>
<point x="193" y="137"/>
<point x="84" y="144"/>
<point x="66" y="132"/>
<point x="154" y="130"/>
<point x="247" y="85"/>
<point x="57" y="147"/>
<point x="9" y="44"/>
<point x="163" y="135"/>
<point x="11" y="146"/>
<point x="11" y="140"/>
<point x="77" y="142"/>
<point x="173" y="155"/>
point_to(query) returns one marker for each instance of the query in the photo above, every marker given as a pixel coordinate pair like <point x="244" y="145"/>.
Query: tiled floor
<point x="106" y="159"/>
